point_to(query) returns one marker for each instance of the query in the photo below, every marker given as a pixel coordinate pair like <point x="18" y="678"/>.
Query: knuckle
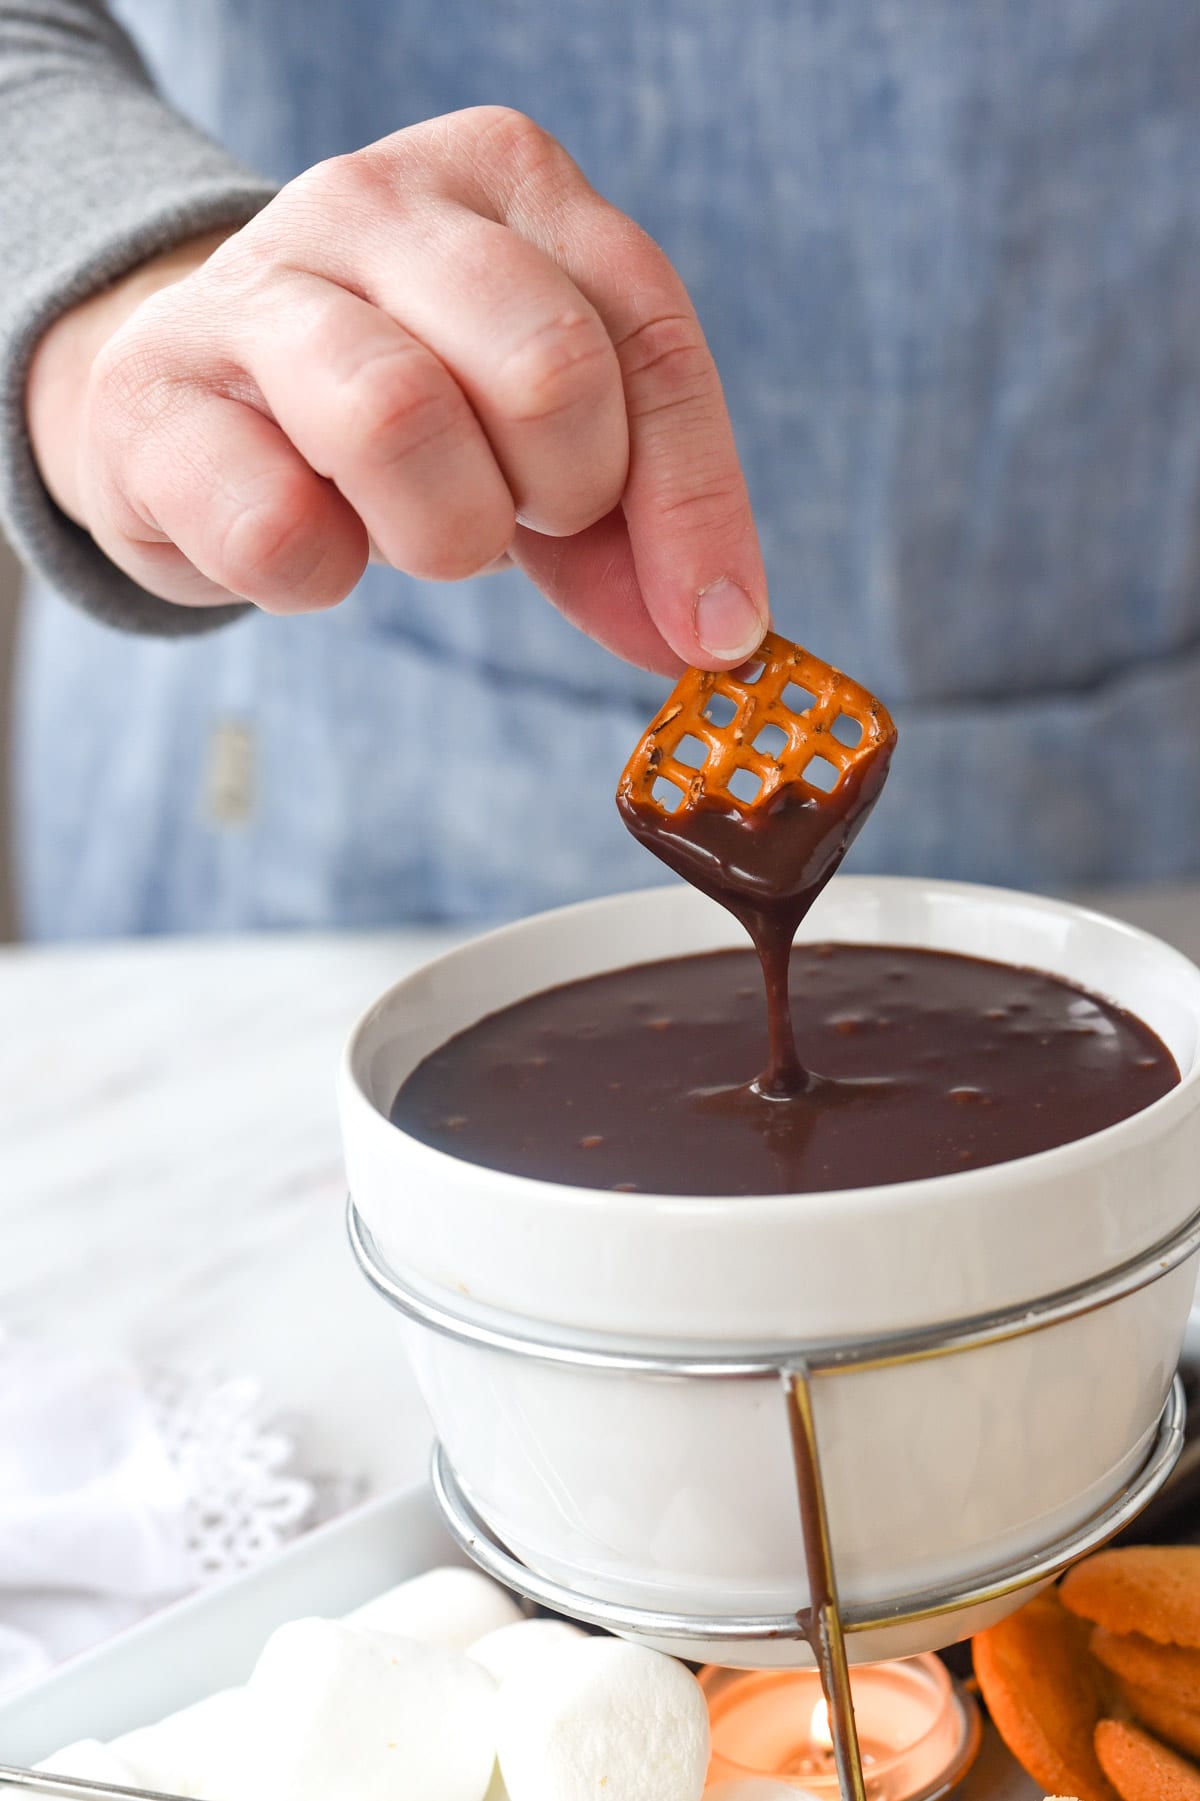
<point x="126" y="376"/>
<point x="336" y="178"/>
<point x="565" y="363"/>
<point x="666" y="359"/>
<point x="400" y="405"/>
<point x="324" y="199"/>
<point x="523" y="151"/>
<point x="267" y="544"/>
<point x="116" y="397"/>
<point x="131" y="397"/>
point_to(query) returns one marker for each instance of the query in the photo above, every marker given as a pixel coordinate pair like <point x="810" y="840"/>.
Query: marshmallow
<point x="451" y="1607"/>
<point x="515" y="1648"/>
<point x="604" y="1717"/>
<point x="331" y="1710"/>
<point x="193" y="1752"/>
<point x="87" y="1758"/>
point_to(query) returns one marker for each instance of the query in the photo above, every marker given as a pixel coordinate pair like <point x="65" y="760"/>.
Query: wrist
<point x="62" y="362"/>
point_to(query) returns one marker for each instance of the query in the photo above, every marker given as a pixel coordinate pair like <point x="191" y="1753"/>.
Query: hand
<point x="446" y="348"/>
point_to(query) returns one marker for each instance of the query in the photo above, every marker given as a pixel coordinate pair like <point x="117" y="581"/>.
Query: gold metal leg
<point x="824" y="1620"/>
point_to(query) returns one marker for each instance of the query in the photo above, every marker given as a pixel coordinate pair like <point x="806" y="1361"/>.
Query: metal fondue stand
<point x="796" y="1369"/>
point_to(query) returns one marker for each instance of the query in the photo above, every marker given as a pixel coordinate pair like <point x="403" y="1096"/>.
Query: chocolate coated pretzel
<point x="774" y="720"/>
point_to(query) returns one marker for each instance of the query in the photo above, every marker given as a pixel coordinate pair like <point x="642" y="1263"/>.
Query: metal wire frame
<point x="749" y="1362"/>
<point x="45" y="1782"/>
<point x="1007" y="1578"/>
<point x="795" y="1366"/>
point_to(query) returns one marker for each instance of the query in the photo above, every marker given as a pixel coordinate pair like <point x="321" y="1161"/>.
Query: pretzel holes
<point x="691" y="752"/>
<point x="798" y="700"/>
<point x="847" y="730"/>
<point x="744" y="785"/>
<point x="772" y="741"/>
<point x="666" y="794"/>
<point x="821" y="774"/>
<point x="720" y="711"/>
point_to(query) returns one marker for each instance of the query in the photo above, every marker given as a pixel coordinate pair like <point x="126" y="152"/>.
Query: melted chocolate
<point x="766" y="865"/>
<point x="921" y="1064"/>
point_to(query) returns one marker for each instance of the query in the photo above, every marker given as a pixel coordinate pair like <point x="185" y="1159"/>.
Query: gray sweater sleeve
<point x="98" y="175"/>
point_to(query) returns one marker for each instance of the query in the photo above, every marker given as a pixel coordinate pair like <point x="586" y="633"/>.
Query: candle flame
<point x="818" y="1727"/>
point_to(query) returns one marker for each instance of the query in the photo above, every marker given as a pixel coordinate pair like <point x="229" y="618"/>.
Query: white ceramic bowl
<point x="680" y="1495"/>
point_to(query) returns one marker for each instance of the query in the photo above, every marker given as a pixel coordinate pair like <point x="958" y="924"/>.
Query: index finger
<point x="691" y="530"/>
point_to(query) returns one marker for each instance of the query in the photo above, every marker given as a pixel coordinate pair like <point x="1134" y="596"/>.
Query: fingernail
<point x="728" y="623"/>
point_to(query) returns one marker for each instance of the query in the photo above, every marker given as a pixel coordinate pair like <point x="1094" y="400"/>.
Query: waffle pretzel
<point x="772" y="722"/>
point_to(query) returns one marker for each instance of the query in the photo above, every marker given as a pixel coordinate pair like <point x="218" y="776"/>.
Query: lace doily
<point x="242" y="1504"/>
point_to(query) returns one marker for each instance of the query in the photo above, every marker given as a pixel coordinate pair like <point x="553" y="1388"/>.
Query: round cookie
<point x="1140" y="1769"/>
<point x="1169" y="1671"/>
<point x="1179" y="1726"/>
<point x="1046" y="1696"/>
<point x="1153" y="1590"/>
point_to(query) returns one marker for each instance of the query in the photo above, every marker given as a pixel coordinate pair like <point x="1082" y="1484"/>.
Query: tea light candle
<point x="918" y="1732"/>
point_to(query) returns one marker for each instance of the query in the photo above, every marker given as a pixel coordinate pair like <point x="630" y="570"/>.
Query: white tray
<point x="212" y="1640"/>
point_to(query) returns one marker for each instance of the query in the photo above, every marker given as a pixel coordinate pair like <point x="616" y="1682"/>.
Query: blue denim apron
<point x="949" y="261"/>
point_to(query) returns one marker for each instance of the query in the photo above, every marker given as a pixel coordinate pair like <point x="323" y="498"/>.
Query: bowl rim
<point x="1065" y="1159"/>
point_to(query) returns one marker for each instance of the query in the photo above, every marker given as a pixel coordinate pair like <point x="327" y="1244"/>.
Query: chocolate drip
<point x="767" y="865"/>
